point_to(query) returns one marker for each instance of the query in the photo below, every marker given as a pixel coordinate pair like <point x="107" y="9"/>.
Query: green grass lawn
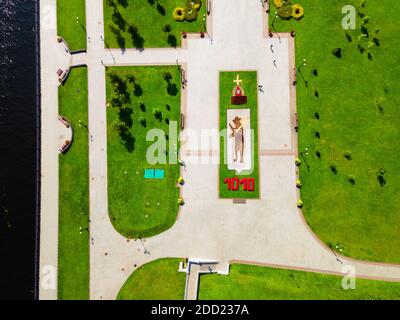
<point x="247" y="282"/>
<point x="73" y="246"/>
<point x="249" y="85"/>
<point x="157" y="280"/>
<point x="357" y="107"/>
<point x="67" y="27"/>
<point x="149" y="17"/>
<point x="139" y="207"/>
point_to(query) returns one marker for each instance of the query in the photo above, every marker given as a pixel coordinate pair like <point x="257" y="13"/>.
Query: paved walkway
<point x="192" y="282"/>
<point x="49" y="50"/>
<point x="268" y="231"/>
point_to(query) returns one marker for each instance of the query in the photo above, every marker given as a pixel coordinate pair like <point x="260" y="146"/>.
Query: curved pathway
<point x="268" y="231"/>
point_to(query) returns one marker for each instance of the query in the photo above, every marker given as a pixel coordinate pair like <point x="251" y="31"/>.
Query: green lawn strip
<point x="141" y="207"/>
<point x="67" y="27"/>
<point x="262" y="283"/>
<point x="249" y="85"/>
<point x="73" y="246"/>
<point x="156" y="280"/>
<point x="149" y="21"/>
<point x="358" y="113"/>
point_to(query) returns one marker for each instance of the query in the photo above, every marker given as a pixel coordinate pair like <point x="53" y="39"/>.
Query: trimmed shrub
<point x="347" y="155"/>
<point x="285" y="12"/>
<point x="179" y="14"/>
<point x="191" y="13"/>
<point x="297" y="11"/>
<point x="142" y="121"/>
<point x="280" y="3"/>
<point x="337" y="52"/>
<point x="299" y="203"/>
<point x="181" y="181"/>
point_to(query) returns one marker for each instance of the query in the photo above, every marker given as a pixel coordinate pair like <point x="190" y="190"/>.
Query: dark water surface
<point x="18" y="142"/>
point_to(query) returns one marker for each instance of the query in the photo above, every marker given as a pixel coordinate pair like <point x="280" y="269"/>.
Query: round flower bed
<point x="285" y="12"/>
<point x="191" y="14"/>
<point x="179" y="14"/>
<point x="297" y="11"/>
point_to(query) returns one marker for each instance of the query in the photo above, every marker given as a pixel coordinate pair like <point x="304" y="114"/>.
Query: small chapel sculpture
<point x="238" y="95"/>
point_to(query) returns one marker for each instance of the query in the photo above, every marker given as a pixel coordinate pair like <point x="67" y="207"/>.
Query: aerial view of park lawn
<point x="348" y="114"/>
<point x="249" y="83"/>
<point x="151" y="23"/>
<point x="304" y="96"/>
<point x="246" y="282"/>
<point x="73" y="242"/>
<point x="158" y="280"/>
<point x="140" y="99"/>
<point x="71" y="21"/>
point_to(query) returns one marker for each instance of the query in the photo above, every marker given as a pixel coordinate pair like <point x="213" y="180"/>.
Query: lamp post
<point x="299" y="70"/>
<point x="276" y="16"/>
<point x="106" y="44"/>
<point x="302" y="65"/>
<point x="145" y="249"/>
<point x="79" y="22"/>
<point x="273" y="26"/>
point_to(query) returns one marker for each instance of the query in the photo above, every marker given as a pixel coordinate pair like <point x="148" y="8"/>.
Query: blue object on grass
<point x="149" y="173"/>
<point x="159" y="174"/>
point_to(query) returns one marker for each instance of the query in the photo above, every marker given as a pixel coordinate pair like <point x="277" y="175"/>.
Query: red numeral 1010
<point x="248" y="184"/>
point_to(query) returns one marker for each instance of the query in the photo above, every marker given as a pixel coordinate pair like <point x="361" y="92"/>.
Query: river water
<point x="18" y="154"/>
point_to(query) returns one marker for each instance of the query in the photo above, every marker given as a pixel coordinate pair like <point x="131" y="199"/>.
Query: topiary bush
<point x="191" y="10"/>
<point x="285" y="12"/>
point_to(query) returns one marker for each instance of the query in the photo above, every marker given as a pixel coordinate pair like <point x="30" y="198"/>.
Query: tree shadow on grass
<point x="119" y="37"/>
<point x="382" y="181"/>
<point x="137" y="90"/>
<point x="172" y="89"/>
<point x="160" y="9"/>
<point x="123" y="3"/>
<point x="127" y="139"/>
<point x="125" y="116"/>
<point x="119" y="20"/>
<point x="172" y="41"/>
<point x="121" y="88"/>
<point x="137" y="40"/>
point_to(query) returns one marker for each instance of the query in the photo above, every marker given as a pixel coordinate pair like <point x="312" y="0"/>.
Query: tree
<point x="167" y="28"/>
<point x="143" y="122"/>
<point x="381" y="176"/>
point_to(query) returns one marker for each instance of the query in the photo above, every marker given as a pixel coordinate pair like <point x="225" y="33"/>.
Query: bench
<point x="154" y="174"/>
<point x="182" y="121"/>
<point x="239" y="201"/>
